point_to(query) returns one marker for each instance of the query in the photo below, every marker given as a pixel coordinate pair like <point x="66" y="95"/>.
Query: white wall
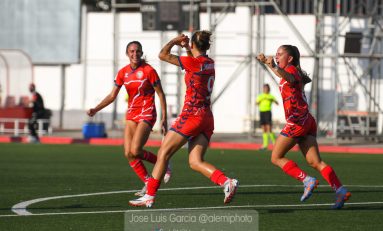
<point x="230" y="39"/>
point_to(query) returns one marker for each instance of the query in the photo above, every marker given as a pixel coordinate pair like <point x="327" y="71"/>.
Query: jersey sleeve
<point x="153" y="77"/>
<point x="188" y="63"/>
<point x="119" y="80"/>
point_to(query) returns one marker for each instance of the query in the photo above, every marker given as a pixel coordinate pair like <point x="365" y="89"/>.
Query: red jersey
<point x="139" y="84"/>
<point x="199" y="80"/>
<point x="294" y="99"/>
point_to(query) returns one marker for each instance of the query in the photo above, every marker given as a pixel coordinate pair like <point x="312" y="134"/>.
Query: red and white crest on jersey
<point x="139" y="84"/>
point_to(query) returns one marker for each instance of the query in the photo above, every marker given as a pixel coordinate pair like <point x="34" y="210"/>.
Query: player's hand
<point x="261" y="57"/>
<point x="180" y="39"/>
<point x="185" y="43"/>
<point x="91" y="112"/>
<point x="270" y="61"/>
<point x="164" y="127"/>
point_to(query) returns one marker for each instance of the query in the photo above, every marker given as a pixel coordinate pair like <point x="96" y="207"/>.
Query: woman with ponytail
<point x="141" y="82"/>
<point x="301" y="127"/>
<point x="195" y="124"/>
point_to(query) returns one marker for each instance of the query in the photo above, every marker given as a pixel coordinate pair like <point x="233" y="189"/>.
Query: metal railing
<point x="17" y="126"/>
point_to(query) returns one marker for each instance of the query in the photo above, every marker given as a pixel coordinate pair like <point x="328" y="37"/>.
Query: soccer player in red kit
<point x="301" y="127"/>
<point x="141" y="81"/>
<point x="195" y="124"/>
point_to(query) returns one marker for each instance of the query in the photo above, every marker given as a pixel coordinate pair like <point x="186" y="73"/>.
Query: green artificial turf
<point x="38" y="171"/>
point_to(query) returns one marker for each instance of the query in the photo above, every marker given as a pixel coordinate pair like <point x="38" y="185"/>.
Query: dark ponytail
<point x="294" y="52"/>
<point x="202" y="40"/>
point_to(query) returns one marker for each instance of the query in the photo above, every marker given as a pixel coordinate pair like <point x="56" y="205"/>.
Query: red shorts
<point x="308" y="127"/>
<point x="191" y="125"/>
<point x="138" y="115"/>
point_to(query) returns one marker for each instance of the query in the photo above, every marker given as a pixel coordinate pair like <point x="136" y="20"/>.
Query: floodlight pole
<point x="250" y="81"/>
<point x="84" y="37"/>
<point x="208" y="11"/>
<point x="191" y="16"/>
<point x="115" y="57"/>
<point x="314" y="96"/>
<point x="63" y="89"/>
<point x="336" y="62"/>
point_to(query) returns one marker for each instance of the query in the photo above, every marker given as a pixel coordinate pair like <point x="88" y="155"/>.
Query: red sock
<point x="218" y="177"/>
<point x="292" y="169"/>
<point x="329" y="175"/>
<point x="150" y="157"/>
<point x="153" y="185"/>
<point x="139" y="168"/>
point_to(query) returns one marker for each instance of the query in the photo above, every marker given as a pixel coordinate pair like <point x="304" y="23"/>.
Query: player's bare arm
<point x="105" y="102"/>
<point x="164" y="120"/>
<point x="165" y="54"/>
<point x="269" y="61"/>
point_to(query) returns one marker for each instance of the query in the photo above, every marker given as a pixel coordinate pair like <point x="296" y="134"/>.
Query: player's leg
<point x="309" y="148"/>
<point x="282" y="146"/>
<point x="32" y="124"/>
<point x="270" y="133"/>
<point x="134" y="162"/>
<point x="173" y="141"/>
<point x="265" y="137"/>
<point x="270" y="129"/>
<point x="140" y="137"/>
<point x="197" y="150"/>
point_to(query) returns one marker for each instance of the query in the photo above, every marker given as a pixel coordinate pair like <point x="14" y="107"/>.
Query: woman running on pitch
<point x="195" y="124"/>
<point x="301" y="127"/>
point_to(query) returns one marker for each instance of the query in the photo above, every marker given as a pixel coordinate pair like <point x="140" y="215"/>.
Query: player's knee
<point x="135" y="151"/>
<point x="314" y="164"/>
<point x="194" y="164"/>
<point x="275" y="160"/>
<point x="162" y="156"/>
<point x="128" y="154"/>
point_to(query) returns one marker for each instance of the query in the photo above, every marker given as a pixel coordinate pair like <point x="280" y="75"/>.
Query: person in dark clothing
<point x="38" y="110"/>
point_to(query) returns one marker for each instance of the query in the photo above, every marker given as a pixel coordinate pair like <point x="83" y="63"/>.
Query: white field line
<point x="196" y="208"/>
<point x="21" y="208"/>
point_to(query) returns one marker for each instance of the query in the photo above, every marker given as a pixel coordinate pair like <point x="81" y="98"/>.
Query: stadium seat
<point x="10" y="101"/>
<point x="24" y="101"/>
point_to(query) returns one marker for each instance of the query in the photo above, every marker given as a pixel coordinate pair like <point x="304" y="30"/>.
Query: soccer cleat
<point x="341" y="196"/>
<point x="168" y="174"/>
<point x="310" y="185"/>
<point x="230" y="188"/>
<point x="145" y="200"/>
<point x="142" y="191"/>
